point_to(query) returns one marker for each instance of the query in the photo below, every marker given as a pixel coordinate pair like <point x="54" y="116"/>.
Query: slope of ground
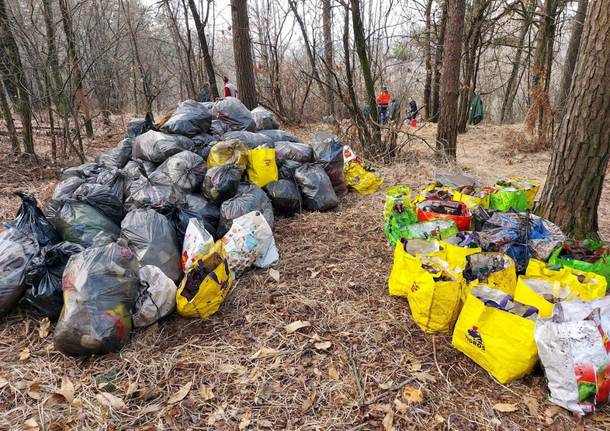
<point x="358" y="362"/>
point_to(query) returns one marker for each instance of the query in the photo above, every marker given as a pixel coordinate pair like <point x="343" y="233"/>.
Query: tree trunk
<point x="506" y="115"/>
<point x="328" y="56"/>
<point x="205" y="51"/>
<point x="16" y="77"/>
<point x="242" y="50"/>
<point x="428" y="61"/>
<point x="8" y="119"/>
<point x="365" y="65"/>
<point x="438" y="64"/>
<point x="75" y="70"/>
<point x="571" y="56"/>
<point x="575" y="177"/>
<point x="447" y="122"/>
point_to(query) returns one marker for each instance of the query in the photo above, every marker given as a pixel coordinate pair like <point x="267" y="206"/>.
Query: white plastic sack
<point x="250" y="242"/>
<point x="156" y="297"/>
<point x="197" y="243"/>
<point x="574" y="349"/>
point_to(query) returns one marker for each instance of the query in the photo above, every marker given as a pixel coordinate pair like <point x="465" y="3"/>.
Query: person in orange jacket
<point x="383" y="101"/>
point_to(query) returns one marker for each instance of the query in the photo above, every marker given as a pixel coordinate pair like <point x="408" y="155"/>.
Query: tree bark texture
<point x="450" y="86"/>
<point x="575" y="177"/>
<point x="428" y="61"/>
<point x="571" y="55"/>
<point x="328" y="56"/>
<point x="242" y="50"/>
<point x="7" y="116"/>
<point x="438" y="64"/>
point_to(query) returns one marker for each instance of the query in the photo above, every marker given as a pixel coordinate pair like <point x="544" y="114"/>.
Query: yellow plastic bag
<point x="435" y="300"/>
<point x="544" y="291"/>
<point x="588" y="284"/>
<point x="262" y="168"/>
<point x="396" y="196"/>
<point x="228" y="153"/>
<point x="501" y="340"/>
<point x="359" y="179"/>
<point x="481" y="199"/>
<point x="408" y="265"/>
<point x="206" y="285"/>
<point x="530" y="187"/>
<point x="479" y="266"/>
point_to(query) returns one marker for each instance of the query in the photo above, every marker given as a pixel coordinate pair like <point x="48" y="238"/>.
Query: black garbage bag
<point x="116" y="179"/>
<point x="16" y="251"/>
<point x="179" y="218"/>
<point x="279" y="135"/>
<point x="205" y="209"/>
<point x="135" y="169"/>
<point x="103" y="199"/>
<point x="31" y="220"/>
<point x="117" y="157"/>
<point x="285" y="197"/>
<point x="84" y="171"/>
<point x="263" y="118"/>
<point x="218" y="128"/>
<point x="287" y="169"/>
<point x="152" y="238"/>
<point x="249" y="139"/>
<point x="328" y="149"/>
<point x="221" y="182"/>
<point x="100" y="289"/>
<point x="316" y="188"/>
<point x="66" y="188"/>
<point x="203" y="140"/>
<point x="249" y="198"/>
<point x="190" y="118"/>
<point x="185" y="169"/>
<point x="297" y="151"/>
<point x="79" y="222"/>
<point x="156" y="147"/>
<point x="139" y="126"/>
<point x="44" y="278"/>
<point x="234" y="114"/>
<point x="154" y="191"/>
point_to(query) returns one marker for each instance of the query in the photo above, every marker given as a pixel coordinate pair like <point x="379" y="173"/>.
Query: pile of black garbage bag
<point x="77" y="260"/>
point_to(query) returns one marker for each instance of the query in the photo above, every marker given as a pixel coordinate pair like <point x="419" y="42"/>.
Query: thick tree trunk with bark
<point x="77" y="77"/>
<point x="428" y="61"/>
<point x="328" y="56"/>
<point x="242" y="50"/>
<point x="438" y="64"/>
<point x="571" y="56"/>
<point x="205" y="51"/>
<point x="12" y="60"/>
<point x="448" y="119"/>
<point x="506" y="115"/>
<point x="575" y="177"/>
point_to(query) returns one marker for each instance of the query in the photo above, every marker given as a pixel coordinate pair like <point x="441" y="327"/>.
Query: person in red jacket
<point x="230" y="89"/>
<point x="383" y="101"/>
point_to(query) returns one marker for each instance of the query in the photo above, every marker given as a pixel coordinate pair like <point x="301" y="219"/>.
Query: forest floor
<point x="358" y="360"/>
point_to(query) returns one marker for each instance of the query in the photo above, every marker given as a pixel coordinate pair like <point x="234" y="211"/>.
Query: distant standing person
<point x="383" y="100"/>
<point x="230" y="89"/>
<point x="412" y="109"/>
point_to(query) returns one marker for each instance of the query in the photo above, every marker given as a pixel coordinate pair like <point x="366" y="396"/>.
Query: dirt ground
<point x="358" y="361"/>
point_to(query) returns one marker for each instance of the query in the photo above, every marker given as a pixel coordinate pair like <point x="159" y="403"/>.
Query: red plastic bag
<point x="413" y="122"/>
<point x="448" y="210"/>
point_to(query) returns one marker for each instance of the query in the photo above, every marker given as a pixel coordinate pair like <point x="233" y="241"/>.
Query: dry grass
<point x="347" y="370"/>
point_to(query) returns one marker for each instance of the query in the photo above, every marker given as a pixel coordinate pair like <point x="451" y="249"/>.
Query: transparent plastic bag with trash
<point x="249" y="198"/>
<point x="80" y="223"/>
<point x="156" y="297"/>
<point x="153" y="191"/>
<point x="102" y="198"/>
<point x="190" y="118"/>
<point x="232" y="153"/>
<point x="575" y="354"/>
<point x="234" y="114"/>
<point x="297" y="151"/>
<point x="197" y="244"/>
<point x="100" y="288"/>
<point x="250" y="242"/>
<point x="17" y="249"/>
<point x="152" y="238"/>
<point x="250" y="140"/>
